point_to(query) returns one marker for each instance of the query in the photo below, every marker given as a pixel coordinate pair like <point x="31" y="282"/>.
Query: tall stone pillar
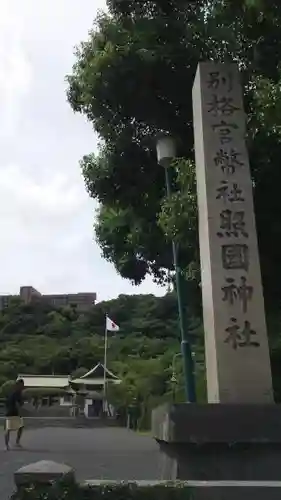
<point x="240" y="438"/>
<point x="236" y="343"/>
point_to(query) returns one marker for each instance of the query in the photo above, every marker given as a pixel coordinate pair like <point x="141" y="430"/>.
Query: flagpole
<point x="105" y="365"/>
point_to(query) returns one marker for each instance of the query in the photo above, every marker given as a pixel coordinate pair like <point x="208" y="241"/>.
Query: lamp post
<point x="166" y="152"/>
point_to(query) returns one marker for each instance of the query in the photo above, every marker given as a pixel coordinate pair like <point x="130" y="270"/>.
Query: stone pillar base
<point x="219" y="442"/>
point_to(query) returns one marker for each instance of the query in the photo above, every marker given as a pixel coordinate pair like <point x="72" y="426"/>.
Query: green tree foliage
<point x="79" y="372"/>
<point x="127" y="226"/>
<point x="36" y="339"/>
<point x="7" y="387"/>
<point x="141" y="354"/>
<point x="133" y="79"/>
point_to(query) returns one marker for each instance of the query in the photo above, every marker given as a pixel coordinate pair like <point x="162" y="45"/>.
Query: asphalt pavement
<point x="99" y="453"/>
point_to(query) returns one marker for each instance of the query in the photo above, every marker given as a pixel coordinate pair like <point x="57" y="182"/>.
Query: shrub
<point x="69" y="490"/>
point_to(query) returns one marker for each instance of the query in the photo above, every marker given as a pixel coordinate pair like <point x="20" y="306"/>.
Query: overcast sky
<point x="46" y="215"/>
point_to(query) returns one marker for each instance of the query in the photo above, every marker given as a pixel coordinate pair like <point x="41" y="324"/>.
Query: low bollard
<point x="44" y="472"/>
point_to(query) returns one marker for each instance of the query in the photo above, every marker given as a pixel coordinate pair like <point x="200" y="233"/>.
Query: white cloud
<point x="52" y="196"/>
<point x="46" y="216"/>
<point x="15" y="70"/>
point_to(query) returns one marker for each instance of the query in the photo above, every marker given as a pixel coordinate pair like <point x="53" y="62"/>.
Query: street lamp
<point x="166" y="152"/>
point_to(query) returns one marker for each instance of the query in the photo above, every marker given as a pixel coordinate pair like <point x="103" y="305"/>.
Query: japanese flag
<point x="111" y="326"/>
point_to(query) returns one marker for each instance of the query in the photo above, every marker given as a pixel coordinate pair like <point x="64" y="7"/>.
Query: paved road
<point x="106" y="453"/>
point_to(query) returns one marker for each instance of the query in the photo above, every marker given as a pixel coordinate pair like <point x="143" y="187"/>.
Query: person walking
<point x="14" y="421"/>
<point x="78" y="403"/>
<point x="73" y="409"/>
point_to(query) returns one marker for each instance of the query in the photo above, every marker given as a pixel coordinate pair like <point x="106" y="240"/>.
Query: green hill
<point x="38" y="339"/>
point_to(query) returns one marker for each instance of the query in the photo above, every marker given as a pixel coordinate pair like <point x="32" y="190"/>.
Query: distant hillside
<point x="36" y="338"/>
<point x="144" y="314"/>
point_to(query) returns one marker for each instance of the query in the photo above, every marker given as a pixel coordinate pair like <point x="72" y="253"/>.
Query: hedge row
<point x="69" y="490"/>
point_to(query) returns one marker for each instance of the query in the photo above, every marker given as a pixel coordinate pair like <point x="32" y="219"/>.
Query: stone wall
<point x="68" y="422"/>
<point x="46" y="411"/>
<point x="43" y="411"/>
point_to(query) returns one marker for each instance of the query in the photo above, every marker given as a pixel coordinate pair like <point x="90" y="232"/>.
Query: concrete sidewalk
<point x="98" y="453"/>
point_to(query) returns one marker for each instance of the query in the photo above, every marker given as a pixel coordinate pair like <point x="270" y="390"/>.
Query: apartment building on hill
<point x="82" y="301"/>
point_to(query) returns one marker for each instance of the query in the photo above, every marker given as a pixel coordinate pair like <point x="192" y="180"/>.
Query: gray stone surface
<point x="219" y="442"/>
<point x="198" y="484"/>
<point x="105" y="453"/>
<point x="44" y="471"/>
<point x="217" y="423"/>
<point x="236" y="343"/>
<point x="220" y="490"/>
